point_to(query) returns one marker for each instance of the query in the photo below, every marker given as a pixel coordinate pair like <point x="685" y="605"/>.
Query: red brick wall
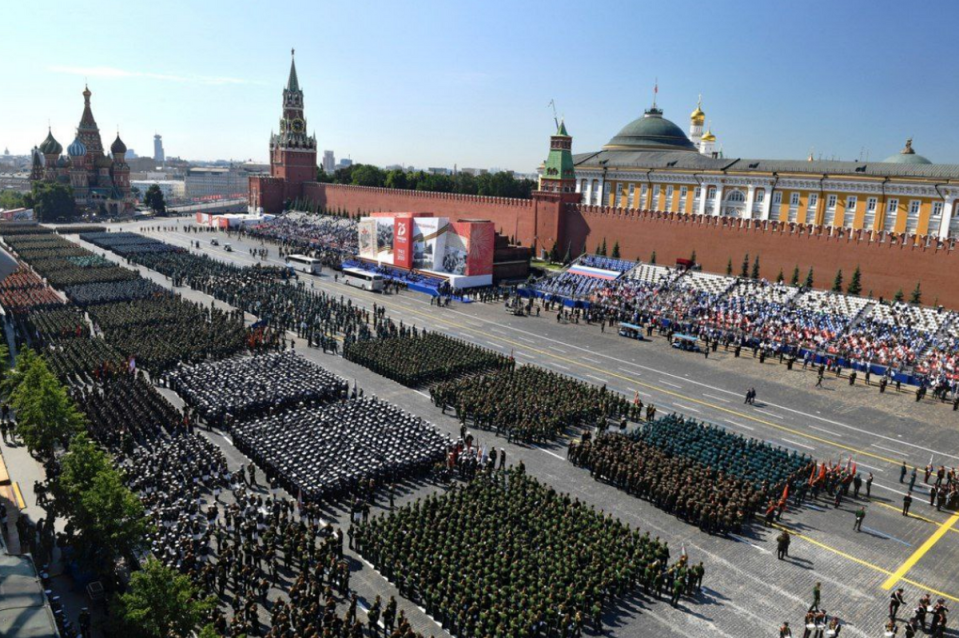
<point x="886" y="265"/>
<point x="511" y="217"/>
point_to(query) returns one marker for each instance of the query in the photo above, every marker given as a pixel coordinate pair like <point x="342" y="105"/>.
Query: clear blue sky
<point x="433" y="83"/>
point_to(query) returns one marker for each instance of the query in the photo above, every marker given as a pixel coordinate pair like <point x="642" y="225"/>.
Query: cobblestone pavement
<point x="748" y="591"/>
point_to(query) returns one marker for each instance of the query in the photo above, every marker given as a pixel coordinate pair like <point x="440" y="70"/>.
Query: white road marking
<point x="885" y="535"/>
<point x="593" y="376"/>
<point x="748" y="542"/>
<point x="560" y="366"/>
<point x="495" y="345"/>
<point x="526" y="340"/>
<point x="638" y="374"/>
<point x="670" y="384"/>
<point x="737" y="424"/>
<point x="422" y="393"/>
<point x="830" y="432"/>
<point x="775" y="416"/>
<point x="592" y="361"/>
<point x="889" y="449"/>
<point x="542" y="449"/>
<point x="686" y="408"/>
<point x="557" y="349"/>
<point x="716" y="398"/>
<point x="808" y="447"/>
<point x="870" y="467"/>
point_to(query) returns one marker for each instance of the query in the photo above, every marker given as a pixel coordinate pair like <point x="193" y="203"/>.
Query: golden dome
<point x="708" y="136"/>
<point x="697" y="116"/>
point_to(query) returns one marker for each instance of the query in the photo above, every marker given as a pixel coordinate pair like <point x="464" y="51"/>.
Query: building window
<point x="683" y="192"/>
<point x="935" y="219"/>
<point x="831" y="201"/>
<point x="594" y="193"/>
<point x="794" y="199"/>
<point x="891" y="211"/>
<point x="632" y="196"/>
<point x="582" y="186"/>
<point x="813" y="202"/>
<point x="912" y="219"/>
<point x="654" y="203"/>
<point x="777" y="198"/>
<point x="869" y="219"/>
<point x="849" y="215"/>
<point x="669" y="198"/>
<point x="605" y="193"/>
<point x="619" y="196"/>
<point x="697" y="193"/>
<point x="760" y="195"/>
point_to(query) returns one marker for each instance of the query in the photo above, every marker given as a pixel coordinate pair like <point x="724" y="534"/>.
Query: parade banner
<point x="429" y="242"/>
<point x="479" y="260"/>
<point x="367" y="239"/>
<point x="402" y="236"/>
<point x="384" y="239"/>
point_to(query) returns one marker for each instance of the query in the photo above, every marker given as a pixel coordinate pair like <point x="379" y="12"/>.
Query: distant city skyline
<point x="444" y="84"/>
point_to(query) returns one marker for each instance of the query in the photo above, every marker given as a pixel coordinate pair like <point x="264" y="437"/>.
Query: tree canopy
<point x="154" y="199"/>
<point x="500" y="184"/>
<point x="161" y="603"/>
<point x="45" y="413"/>
<point x="52" y="202"/>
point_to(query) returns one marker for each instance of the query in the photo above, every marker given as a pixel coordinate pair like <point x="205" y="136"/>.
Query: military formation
<point x="508" y="556"/>
<point x="418" y="358"/>
<point x="330" y="451"/>
<point x="239" y="389"/>
<point x="530" y="404"/>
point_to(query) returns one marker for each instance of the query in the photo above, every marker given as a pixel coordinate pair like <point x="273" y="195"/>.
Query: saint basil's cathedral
<point x="96" y="178"/>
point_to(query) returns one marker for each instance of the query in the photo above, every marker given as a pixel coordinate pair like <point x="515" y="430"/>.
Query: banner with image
<point x="367" y="238"/>
<point x="402" y="238"/>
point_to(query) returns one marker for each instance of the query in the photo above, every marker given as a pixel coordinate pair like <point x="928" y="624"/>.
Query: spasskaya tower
<point x="292" y="155"/>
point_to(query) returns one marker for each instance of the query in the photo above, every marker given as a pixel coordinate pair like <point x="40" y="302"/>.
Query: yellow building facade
<point x="652" y="165"/>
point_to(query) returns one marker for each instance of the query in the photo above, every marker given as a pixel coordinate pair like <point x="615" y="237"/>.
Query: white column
<point x="703" y="194"/>
<point x="946" y="219"/>
<point x="767" y="204"/>
<point x="718" y="204"/>
<point x="750" y="194"/>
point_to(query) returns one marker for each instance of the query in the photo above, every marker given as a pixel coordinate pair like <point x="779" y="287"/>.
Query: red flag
<point x="853" y="469"/>
<point x="822" y="472"/>
<point x="636" y="398"/>
<point x="812" y="475"/>
<point x="785" y="493"/>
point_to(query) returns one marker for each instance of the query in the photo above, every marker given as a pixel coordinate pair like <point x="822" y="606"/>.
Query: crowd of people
<point x="242" y="388"/>
<point x="418" y="358"/>
<point x="23" y="291"/>
<point x="327" y="238"/>
<point x="548" y="565"/>
<point x="703" y="474"/>
<point x="329" y="451"/>
<point x="770" y="316"/>
<point x="726" y="452"/>
<point x="530" y="404"/>
<point x="697" y="494"/>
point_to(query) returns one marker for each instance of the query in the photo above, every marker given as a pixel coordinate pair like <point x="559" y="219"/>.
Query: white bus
<point x="305" y="264"/>
<point x="363" y="279"/>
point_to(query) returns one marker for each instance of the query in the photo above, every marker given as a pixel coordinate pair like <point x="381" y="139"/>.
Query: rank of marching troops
<point x="508" y="556"/>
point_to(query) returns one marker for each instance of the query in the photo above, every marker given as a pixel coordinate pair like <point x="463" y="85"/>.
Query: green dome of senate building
<point x="907" y="156"/>
<point x="651" y="132"/>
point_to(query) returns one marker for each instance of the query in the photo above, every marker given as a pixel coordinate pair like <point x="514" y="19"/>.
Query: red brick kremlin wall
<point x="511" y="217"/>
<point x="887" y="264"/>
